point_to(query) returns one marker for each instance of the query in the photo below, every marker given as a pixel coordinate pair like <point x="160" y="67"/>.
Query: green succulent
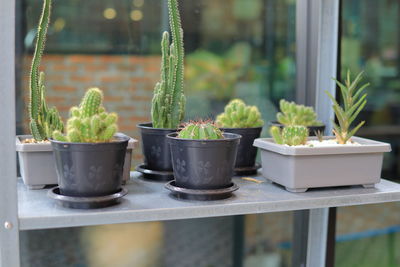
<point x="238" y="115"/>
<point x="168" y="103"/>
<point x="293" y="135"/>
<point x="43" y="120"/>
<point x="200" y="130"/>
<point x="293" y="114"/>
<point x="89" y="123"/>
<point x="353" y="102"/>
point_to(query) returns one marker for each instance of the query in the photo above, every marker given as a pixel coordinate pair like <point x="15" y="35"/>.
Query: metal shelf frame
<point x="150" y="201"/>
<point x="317" y="42"/>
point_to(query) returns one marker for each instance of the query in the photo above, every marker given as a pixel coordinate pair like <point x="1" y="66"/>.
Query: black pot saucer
<point x="85" y="202"/>
<point x="200" y="194"/>
<point x="247" y="170"/>
<point x="162" y="176"/>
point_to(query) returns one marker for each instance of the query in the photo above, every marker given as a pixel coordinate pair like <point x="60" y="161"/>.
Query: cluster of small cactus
<point x="168" y="104"/>
<point x="43" y="120"/>
<point x="353" y="102"/>
<point x="238" y="115"/>
<point x="292" y="135"/>
<point x="293" y="114"/>
<point x="89" y="123"/>
<point x="200" y="130"/>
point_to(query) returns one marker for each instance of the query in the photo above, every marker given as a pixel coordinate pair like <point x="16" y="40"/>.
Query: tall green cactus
<point x="43" y="121"/>
<point x="89" y="123"/>
<point x="168" y="104"/>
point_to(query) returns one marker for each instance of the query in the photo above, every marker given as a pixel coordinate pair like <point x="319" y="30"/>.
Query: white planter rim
<point x="366" y="146"/>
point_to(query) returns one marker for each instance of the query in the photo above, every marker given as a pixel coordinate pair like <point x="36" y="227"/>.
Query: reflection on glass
<point x="370" y="41"/>
<point x="234" y="48"/>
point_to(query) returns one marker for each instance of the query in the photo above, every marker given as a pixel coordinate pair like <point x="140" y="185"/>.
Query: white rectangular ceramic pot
<point x="299" y="168"/>
<point x="37" y="165"/>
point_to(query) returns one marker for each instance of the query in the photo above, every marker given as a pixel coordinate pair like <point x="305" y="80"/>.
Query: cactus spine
<point x="89" y="123"/>
<point x="43" y="121"/>
<point x="293" y="114"/>
<point x="238" y="115"/>
<point x="290" y="135"/>
<point x="168" y="104"/>
<point x="201" y="130"/>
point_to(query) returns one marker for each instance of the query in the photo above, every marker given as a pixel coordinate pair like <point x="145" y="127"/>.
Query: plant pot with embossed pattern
<point x="203" y="157"/>
<point x="239" y="118"/>
<point x="157" y="154"/>
<point x="90" y="169"/>
<point x="90" y="156"/>
<point x="168" y="103"/>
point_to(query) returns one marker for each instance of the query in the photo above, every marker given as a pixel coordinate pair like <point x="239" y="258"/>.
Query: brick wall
<point x="127" y="83"/>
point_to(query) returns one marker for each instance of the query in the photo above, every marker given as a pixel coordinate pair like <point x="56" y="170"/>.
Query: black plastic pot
<point x="90" y="169"/>
<point x="155" y="147"/>
<point x="311" y="129"/>
<point x="204" y="164"/>
<point x="246" y="155"/>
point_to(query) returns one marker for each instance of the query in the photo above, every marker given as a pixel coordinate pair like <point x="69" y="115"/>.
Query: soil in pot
<point x="155" y="147"/>
<point x="204" y="164"/>
<point x="246" y="155"/>
<point x="313" y="130"/>
<point x="90" y="169"/>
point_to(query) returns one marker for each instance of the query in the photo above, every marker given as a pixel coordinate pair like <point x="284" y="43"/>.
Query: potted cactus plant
<point x="90" y="156"/>
<point x="203" y="159"/>
<point x="294" y="114"/>
<point x="168" y="104"/>
<point x="299" y="162"/>
<point x="238" y="118"/>
<point x="34" y="151"/>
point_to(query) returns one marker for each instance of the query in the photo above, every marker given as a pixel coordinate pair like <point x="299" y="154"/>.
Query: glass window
<point x="370" y="42"/>
<point x="369" y="235"/>
<point x="234" y="48"/>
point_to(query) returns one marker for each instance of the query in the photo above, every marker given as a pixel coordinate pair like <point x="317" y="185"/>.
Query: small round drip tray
<point x="86" y="202"/>
<point x="153" y="175"/>
<point x="247" y="170"/>
<point x="201" y="194"/>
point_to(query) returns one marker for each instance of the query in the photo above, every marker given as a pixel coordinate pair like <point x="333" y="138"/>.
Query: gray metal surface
<point x="317" y="236"/>
<point x="150" y="201"/>
<point x="300" y="237"/>
<point x="9" y="240"/>
<point x="317" y="25"/>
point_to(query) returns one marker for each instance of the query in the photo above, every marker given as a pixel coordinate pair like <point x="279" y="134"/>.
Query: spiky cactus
<point x="201" y="130"/>
<point x="353" y="102"/>
<point x="293" y="114"/>
<point x="168" y="104"/>
<point x="89" y="123"/>
<point x="293" y="135"/>
<point x="238" y="115"/>
<point x="43" y="120"/>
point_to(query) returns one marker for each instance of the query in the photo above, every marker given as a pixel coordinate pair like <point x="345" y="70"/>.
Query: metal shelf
<point x="149" y="201"/>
